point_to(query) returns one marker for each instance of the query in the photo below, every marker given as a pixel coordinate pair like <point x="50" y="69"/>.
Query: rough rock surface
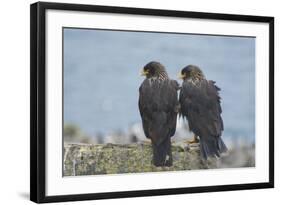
<point x="89" y="159"/>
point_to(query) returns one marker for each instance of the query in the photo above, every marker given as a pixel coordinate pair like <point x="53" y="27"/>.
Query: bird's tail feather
<point x="211" y="147"/>
<point x="162" y="154"/>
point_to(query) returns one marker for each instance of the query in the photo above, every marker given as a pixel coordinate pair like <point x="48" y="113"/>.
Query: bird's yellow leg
<point x="194" y="140"/>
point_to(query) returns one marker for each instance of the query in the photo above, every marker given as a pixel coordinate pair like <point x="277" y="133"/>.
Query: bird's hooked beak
<point x="181" y="76"/>
<point x="144" y="73"/>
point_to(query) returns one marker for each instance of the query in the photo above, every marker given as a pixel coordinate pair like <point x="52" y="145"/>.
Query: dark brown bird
<point x="158" y="106"/>
<point x="200" y="105"/>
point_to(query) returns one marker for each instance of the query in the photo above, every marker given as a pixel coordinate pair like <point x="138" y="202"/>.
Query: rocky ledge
<point x="89" y="159"/>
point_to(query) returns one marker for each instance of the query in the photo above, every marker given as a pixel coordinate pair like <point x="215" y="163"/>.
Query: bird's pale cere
<point x="144" y="73"/>
<point x="181" y="76"/>
<point x="154" y="70"/>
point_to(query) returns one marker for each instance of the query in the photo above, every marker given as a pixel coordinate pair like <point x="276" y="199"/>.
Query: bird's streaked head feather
<point x="191" y="72"/>
<point x="154" y="69"/>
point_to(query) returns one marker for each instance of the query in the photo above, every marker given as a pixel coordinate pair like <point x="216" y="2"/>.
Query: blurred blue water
<point x="101" y="75"/>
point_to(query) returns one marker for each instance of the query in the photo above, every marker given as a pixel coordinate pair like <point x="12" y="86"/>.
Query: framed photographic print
<point x="129" y="102"/>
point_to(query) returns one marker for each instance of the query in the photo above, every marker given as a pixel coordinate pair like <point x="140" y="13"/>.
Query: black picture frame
<point x="38" y="100"/>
